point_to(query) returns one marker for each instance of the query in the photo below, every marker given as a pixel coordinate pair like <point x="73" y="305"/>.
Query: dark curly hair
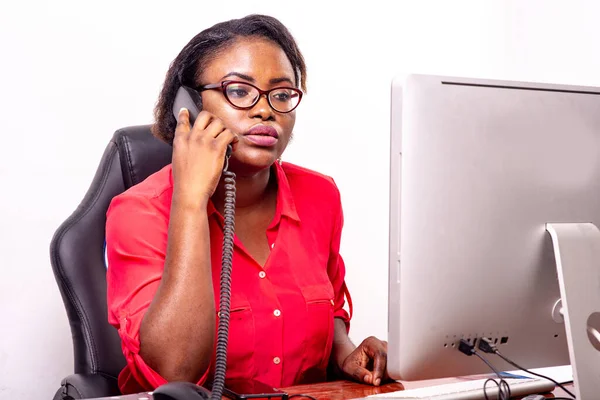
<point x="204" y="47"/>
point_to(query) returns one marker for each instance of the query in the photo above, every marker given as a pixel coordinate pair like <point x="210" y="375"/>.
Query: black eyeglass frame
<point x="223" y="87"/>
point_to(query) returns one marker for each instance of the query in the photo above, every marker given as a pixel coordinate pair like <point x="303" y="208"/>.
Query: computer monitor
<point x="482" y="172"/>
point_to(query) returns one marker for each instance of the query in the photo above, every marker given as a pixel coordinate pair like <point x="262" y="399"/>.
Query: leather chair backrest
<point x="77" y="248"/>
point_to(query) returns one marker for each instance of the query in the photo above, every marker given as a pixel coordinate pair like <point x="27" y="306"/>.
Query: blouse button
<point x="272" y="245"/>
<point x="277" y="313"/>
<point x="262" y="274"/>
<point x="276" y="360"/>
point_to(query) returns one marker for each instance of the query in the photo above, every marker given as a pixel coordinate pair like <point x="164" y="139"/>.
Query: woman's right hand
<point x="198" y="156"/>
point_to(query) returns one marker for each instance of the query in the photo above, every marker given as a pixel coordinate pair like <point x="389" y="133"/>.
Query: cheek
<point x="287" y="128"/>
<point x="230" y="116"/>
<point x="232" y="119"/>
<point x="214" y="103"/>
<point x="288" y="123"/>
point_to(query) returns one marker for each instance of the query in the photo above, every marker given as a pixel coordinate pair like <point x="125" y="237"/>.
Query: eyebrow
<point x="251" y="79"/>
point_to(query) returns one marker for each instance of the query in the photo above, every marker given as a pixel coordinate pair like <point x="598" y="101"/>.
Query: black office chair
<point x="77" y="257"/>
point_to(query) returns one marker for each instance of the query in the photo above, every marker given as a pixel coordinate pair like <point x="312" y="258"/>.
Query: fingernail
<point x="377" y="382"/>
<point x="181" y="109"/>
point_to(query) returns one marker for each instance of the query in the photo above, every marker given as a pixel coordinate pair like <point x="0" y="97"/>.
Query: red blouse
<point x="281" y="328"/>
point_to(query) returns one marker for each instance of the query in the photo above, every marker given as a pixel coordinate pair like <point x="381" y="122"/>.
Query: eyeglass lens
<point x="243" y="96"/>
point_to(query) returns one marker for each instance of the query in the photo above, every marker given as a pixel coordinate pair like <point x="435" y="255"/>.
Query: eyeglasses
<point x="244" y="95"/>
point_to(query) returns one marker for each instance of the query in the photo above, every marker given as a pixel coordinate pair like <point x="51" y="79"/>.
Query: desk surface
<point x="341" y="390"/>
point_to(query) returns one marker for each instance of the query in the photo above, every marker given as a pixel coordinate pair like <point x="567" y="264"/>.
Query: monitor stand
<point x="577" y="253"/>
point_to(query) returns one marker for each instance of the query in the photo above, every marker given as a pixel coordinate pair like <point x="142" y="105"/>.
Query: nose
<point x="262" y="109"/>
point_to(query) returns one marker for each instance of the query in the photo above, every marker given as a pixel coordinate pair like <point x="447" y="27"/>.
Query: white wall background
<point x="72" y="72"/>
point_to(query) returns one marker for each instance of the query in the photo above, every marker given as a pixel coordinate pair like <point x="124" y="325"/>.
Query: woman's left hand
<point x="368" y="362"/>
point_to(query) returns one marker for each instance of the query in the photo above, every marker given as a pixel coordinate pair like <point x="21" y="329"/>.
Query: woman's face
<point x="263" y="132"/>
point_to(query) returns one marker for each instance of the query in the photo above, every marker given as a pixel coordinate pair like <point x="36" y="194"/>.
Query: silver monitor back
<point x="478" y="167"/>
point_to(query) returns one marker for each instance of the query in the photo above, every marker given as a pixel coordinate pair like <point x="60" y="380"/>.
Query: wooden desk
<point x="341" y="390"/>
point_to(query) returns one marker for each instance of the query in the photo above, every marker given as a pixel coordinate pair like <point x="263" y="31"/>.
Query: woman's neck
<point x="251" y="190"/>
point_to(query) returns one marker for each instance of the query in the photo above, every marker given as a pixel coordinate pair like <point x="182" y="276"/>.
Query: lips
<point x="262" y="135"/>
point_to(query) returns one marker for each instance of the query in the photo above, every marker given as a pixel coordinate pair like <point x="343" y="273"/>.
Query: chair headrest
<point x="141" y="153"/>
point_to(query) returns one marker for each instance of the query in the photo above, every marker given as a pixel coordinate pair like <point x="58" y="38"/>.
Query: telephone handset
<point x="190" y="99"/>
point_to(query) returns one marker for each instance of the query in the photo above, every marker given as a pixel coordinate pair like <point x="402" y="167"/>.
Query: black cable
<point x="482" y="358"/>
<point x="485" y="389"/>
<point x="225" y="290"/>
<point x="302" y="395"/>
<point x="487" y="346"/>
<point x="532" y="373"/>
<point x="503" y="387"/>
<point x="504" y="392"/>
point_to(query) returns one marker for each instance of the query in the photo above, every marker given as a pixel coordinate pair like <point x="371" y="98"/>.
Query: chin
<point x="251" y="162"/>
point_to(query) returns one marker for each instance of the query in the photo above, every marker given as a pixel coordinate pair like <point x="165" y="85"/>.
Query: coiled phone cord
<point x="225" y="290"/>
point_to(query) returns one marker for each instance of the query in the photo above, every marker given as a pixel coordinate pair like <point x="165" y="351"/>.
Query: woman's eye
<point x="282" y="96"/>
<point x="237" y="92"/>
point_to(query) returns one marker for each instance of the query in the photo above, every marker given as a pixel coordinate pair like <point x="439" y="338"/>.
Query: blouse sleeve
<point x="136" y="241"/>
<point x="336" y="268"/>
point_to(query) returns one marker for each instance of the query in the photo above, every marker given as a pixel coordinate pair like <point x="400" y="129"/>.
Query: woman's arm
<point x="366" y="363"/>
<point x="347" y="360"/>
<point x="178" y="329"/>
<point x="342" y="347"/>
<point x="177" y="332"/>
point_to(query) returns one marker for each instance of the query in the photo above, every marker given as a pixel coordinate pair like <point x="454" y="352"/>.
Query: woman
<point x="164" y="236"/>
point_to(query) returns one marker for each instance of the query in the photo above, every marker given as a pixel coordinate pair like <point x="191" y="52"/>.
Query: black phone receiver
<point x="189" y="98"/>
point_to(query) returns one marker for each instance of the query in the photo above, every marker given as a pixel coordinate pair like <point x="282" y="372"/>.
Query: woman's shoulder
<point x="153" y="186"/>
<point x="301" y="174"/>
<point x="155" y="189"/>
<point x="306" y="180"/>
